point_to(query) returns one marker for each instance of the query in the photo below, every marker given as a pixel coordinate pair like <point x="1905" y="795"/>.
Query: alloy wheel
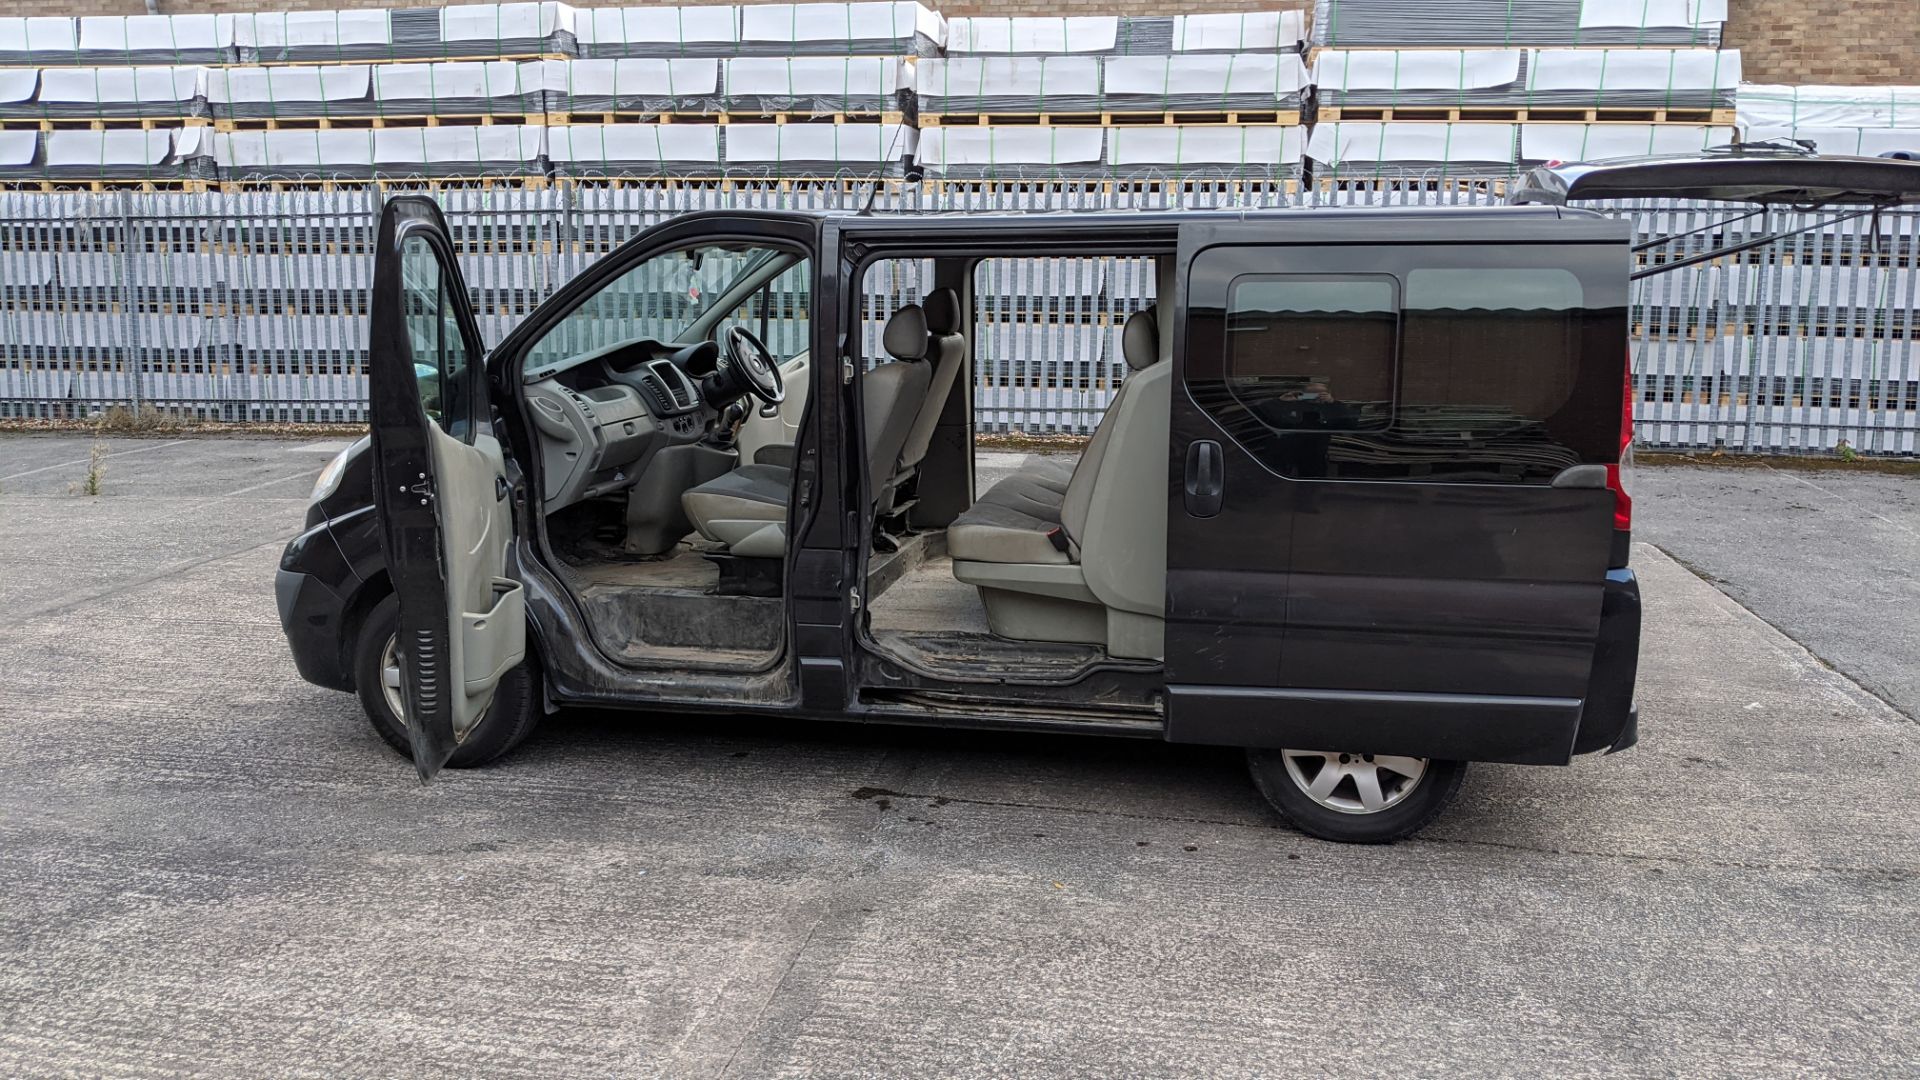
<point x="1354" y="783"/>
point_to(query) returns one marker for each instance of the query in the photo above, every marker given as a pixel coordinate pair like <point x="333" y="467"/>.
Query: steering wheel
<point x="758" y="372"/>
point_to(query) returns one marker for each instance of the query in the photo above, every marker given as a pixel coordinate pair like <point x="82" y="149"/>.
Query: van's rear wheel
<point x="376" y="677"/>
<point x="1355" y="798"/>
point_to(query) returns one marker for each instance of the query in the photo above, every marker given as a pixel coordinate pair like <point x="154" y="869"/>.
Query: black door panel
<point x="1389" y="568"/>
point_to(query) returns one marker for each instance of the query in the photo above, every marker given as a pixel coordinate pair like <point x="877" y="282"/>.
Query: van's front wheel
<point x="376" y="675"/>
<point x="1355" y="798"/>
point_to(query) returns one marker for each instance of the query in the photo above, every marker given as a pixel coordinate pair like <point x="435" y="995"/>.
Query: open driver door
<point x="440" y="486"/>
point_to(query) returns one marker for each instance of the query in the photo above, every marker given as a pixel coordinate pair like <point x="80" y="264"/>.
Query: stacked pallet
<point x="1214" y="96"/>
<point x="1477" y="90"/>
<point x="520" y="90"/>
<point x="1864" y="120"/>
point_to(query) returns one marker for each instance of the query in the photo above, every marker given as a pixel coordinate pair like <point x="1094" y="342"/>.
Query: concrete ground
<point x="209" y="867"/>
<point x="1828" y="556"/>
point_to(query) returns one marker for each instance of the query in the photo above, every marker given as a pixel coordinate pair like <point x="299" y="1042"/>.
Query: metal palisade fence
<point x="252" y="306"/>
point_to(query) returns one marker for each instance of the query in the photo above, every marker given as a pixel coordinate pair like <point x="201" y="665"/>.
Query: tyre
<point x="1355" y="798"/>
<point x="376" y="679"/>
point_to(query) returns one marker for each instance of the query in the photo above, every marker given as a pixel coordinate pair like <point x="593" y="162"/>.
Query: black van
<point x="1360" y="507"/>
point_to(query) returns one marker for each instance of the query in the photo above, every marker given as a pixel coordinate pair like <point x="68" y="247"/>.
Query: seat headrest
<point x="905" y="335"/>
<point x="943" y="311"/>
<point x="1140" y="338"/>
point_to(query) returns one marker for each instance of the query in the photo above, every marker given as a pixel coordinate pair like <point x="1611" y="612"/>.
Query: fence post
<point x="129" y="296"/>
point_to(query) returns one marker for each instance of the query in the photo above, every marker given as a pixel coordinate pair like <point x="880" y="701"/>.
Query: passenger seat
<point x="947" y="355"/>
<point x="1084" y="561"/>
<point x="746" y="509"/>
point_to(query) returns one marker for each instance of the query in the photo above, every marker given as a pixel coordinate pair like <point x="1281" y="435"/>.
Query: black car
<point x="1360" y="507"/>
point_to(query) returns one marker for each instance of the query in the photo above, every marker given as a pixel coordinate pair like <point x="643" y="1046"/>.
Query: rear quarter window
<point x="1454" y="363"/>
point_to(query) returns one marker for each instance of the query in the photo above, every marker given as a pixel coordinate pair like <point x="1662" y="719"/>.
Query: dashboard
<point x="603" y="414"/>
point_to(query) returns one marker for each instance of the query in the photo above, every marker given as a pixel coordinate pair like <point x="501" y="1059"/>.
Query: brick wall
<point x="1859" y="42"/>
<point x="1848" y="42"/>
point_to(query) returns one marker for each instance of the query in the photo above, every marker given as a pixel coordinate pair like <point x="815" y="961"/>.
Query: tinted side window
<point x="1313" y="353"/>
<point x="1489" y="352"/>
<point x="1460" y="363"/>
<point x="433" y="335"/>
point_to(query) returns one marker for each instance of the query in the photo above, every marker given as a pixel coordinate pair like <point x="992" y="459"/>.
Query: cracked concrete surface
<point x="208" y="867"/>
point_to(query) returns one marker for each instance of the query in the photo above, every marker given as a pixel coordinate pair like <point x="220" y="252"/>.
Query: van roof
<point x="1052" y="219"/>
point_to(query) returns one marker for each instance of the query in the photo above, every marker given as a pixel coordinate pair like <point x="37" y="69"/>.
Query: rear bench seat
<point x="1079" y="554"/>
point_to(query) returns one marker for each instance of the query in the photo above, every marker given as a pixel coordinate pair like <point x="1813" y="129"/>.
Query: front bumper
<point x="1609" y="719"/>
<point x="310" y="591"/>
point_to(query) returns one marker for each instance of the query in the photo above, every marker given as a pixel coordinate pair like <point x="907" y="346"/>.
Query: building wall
<point x="1845" y="42"/>
<point x="1848" y="42"/>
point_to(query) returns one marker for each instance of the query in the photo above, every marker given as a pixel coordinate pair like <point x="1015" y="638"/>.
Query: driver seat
<point x="746" y="509"/>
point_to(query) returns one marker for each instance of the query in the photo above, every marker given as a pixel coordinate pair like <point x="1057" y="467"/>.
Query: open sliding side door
<point x="439" y="485"/>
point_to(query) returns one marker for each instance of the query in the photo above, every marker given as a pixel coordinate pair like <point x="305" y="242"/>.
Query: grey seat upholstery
<point x="946" y="355"/>
<point x="1084" y="561"/>
<point x="746" y="509"/>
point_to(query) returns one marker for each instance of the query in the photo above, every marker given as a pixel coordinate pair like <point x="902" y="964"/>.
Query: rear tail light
<point x="1618" y="474"/>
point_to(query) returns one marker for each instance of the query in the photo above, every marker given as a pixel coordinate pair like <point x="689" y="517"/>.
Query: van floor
<point x="662" y="610"/>
<point x="929" y="620"/>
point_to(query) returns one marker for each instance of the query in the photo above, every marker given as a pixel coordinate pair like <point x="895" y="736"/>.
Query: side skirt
<point x="1463" y="727"/>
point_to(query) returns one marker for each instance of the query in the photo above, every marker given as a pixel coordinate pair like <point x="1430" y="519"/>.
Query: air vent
<point x="674" y="382"/>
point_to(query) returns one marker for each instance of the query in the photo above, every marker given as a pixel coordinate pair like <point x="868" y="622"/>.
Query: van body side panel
<point x="1392" y="567"/>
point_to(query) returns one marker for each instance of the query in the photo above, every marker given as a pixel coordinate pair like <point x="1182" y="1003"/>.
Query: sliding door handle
<point x="1206" y="478"/>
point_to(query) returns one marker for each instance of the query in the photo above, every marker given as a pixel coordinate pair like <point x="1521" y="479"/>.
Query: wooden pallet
<point x="1333" y="114"/>
<point x="102" y="123"/>
<point x="1090" y="184"/>
<point x="367" y="123"/>
<point x="1288" y="117"/>
<point x="1314" y="51"/>
<point x="457" y="58"/>
<point x="478" y="183"/>
<point x="59" y="186"/>
<point x="1486" y="185"/>
<point x="560" y="119"/>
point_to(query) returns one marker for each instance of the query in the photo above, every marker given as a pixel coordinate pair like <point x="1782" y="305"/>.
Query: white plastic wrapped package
<point x="1007" y="84"/>
<point x="38" y="39"/>
<point x="997" y="152"/>
<point x="825" y="151"/>
<point x="1848" y="141"/>
<point x="1222" y="81"/>
<point x="1528" y="78"/>
<point x="461" y="87"/>
<point x="1241" y="151"/>
<point x="283" y="36"/>
<point x="900" y="28"/>
<point x="1355" y="73"/>
<point x="658" y="31"/>
<point x="18" y="88"/>
<point x="1363" y="149"/>
<point x="1649" y="14"/>
<point x="1597" y="142"/>
<point x="140" y="154"/>
<point x="155" y="39"/>
<point x="1507" y="23"/>
<point x="642" y="150"/>
<point x="475" y="150"/>
<point x="635" y="84"/>
<point x="124" y="91"/>
<point x="1634" y="78"/>
<point x="19" y="154"/>
<point x="1032" y="35"/>
<point x="1249" y="31"/>
<point x="817" y="85"/>
<point x="507" y="29"/>
<point x="290" y="90"/>
<point x="1829" y="106"/>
